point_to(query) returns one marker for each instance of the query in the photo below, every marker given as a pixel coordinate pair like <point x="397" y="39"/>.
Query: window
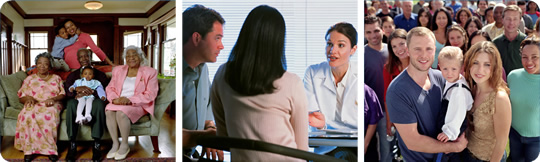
<point x="169" y="48"/>
<point x="38" y="44"/>
<point x="306" y="26"/>
<point x="132" y="38"/>
<point x="94" y="39"/>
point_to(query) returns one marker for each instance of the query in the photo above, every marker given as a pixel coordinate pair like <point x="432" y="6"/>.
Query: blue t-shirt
<point x="534" y="17"/>
<point x="402" y="23"/>
<point x="373" y="69"/>
<point x="408" y="103"/>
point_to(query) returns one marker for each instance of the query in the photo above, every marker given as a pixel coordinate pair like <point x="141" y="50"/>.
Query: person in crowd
<point x="376" y="5"/>
<point x="472" y="25"/>
<point x="375" y="55"/>
<point x="434" y="5"/>
<point x="488" y="16"/>
<point x="497" y="28"/>
<point x="455" y="5"/>
<point x="372" y="114"/>
<point x="479" y="36"/>
<point x="84" y="56"/>
<point x="529" y="23"/>
<point x="37" y="123"/>
<point x="385" y="10"/>
<point x="398" y="7"/>
<point x="465" y="5"/>
<point x="418" y="6"/>
<point x="441" y="22"/>
<point x="398" y="60"/>
<point x="414" y="100"/>
<point x="371" y="11"/>
<point x="131" y="94"/>
<point x="83" y="41"/>
<point x="388" y="27"/>
<point x="202" y="42"/>
<point x="509" y="42"/>
<point x="264" y="93"/>
<point x="61" y="41"/>
<point x="453" y="17"/>
<point x="482" y="5"/>
<point x="532" y="10"/>
<point x="457" y="98"/>
<point x="489" y="119"/>
<point x="424" y="18"/>
<point x="406" y="20"/>
<point x="537" y="28"/>
<point x="462" y="16"/>
<point x="524" y="133"/>
<point x="457" y="36"/>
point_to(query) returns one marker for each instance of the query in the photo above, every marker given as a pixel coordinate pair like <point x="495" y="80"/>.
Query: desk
<point x="321" y="138"/>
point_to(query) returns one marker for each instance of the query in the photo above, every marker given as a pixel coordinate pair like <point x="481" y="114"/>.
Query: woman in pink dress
<point x="131" y="93"/>
<point x="37" y="123"/>
<point x="84" y="40"/>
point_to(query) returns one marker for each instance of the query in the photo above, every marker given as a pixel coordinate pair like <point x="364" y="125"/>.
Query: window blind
<point x="306" y="24"/>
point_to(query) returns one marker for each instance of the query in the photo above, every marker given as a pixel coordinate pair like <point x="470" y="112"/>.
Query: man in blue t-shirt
<point x="414" y="99"/>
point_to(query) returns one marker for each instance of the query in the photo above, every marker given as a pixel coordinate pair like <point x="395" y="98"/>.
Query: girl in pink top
<point x="84" y="41"/>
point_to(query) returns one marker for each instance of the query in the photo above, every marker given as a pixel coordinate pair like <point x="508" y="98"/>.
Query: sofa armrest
<point x="166" y="95"/>
<point x="3" y="107"/>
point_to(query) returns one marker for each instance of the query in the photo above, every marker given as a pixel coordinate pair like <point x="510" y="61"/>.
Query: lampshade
<point x="93" y="5"/>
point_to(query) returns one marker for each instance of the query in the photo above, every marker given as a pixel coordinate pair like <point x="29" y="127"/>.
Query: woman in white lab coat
<point x="331" y="86"/>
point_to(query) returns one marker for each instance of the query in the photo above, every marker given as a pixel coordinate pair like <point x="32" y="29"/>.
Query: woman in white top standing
<point x="331" y="86"/>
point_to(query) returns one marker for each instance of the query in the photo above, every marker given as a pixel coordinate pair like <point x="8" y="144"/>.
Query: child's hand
<point x="103" y="98"/>
<point x="442" y="137"/>
<point x="78" y="31"/>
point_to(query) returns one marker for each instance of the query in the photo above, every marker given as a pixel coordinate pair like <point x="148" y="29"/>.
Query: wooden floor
<point x="141" y="146"/>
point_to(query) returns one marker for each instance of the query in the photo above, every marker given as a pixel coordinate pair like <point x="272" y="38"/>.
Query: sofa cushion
<point x="11" y="84"/>
<point x="12" y="113"/>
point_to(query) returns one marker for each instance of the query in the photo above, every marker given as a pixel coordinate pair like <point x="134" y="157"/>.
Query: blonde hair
<point x="451" y="53"/>
<point x="419" y="31"/>
<point x="512" y="8"/>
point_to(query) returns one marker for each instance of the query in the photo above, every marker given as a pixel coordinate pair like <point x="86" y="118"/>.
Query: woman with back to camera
<point x="252" y="95"/>
<point x="524" y="133"/>
<point x="331" y="85"/>
<point x="489" y="119"/>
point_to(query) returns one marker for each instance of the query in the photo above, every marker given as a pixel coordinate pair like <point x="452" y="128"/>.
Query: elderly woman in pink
<point x="131" y="94"/>
<point x="83" y="41"/>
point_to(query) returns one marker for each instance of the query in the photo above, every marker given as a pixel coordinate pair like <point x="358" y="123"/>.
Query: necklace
<point x="44" y="77"/>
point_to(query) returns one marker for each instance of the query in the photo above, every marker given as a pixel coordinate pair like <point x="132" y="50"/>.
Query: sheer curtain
<point x="306" y="24"/>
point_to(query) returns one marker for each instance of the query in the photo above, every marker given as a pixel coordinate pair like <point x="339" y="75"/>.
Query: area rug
<point x="170" y="159"/>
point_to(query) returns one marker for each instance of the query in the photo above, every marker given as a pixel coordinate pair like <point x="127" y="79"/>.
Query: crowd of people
<point x="456" y="79"/>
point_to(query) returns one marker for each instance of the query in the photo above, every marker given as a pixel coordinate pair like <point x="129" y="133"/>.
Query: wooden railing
<point x="12" y="57"/>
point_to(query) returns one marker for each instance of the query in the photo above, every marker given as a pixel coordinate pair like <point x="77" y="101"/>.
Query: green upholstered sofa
<point x="147" y="125"/>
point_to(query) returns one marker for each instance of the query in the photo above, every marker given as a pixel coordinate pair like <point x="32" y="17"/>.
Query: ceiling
<point x="77" y="7"/>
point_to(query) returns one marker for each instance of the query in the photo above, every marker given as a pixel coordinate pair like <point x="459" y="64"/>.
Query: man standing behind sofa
<point x="98" y="107"/>
<point x="202" y="33"/>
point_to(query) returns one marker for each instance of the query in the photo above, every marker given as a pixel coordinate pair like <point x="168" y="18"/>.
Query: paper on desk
<point x="348" y="131"/>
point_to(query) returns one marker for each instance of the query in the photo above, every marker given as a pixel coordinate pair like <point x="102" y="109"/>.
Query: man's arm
<point x="421" y="143"/>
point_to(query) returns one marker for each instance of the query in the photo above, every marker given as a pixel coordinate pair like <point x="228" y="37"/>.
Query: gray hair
<point x="46" y="55"/>
<point x="85" y="50"/>
<point x="139" y="51"/>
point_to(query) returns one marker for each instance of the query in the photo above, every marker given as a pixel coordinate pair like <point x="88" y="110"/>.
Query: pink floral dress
<point x="36" y="130"/>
